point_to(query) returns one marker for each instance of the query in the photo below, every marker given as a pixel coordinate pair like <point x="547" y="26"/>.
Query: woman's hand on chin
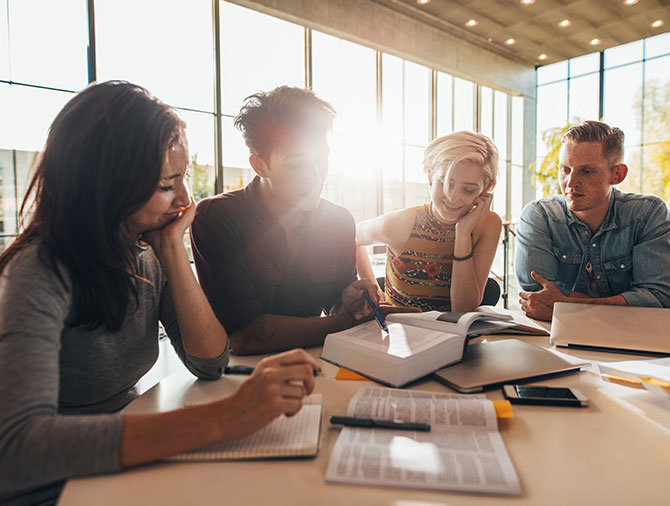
<point x="172" y="233"/>
<point x="480" y="210"/>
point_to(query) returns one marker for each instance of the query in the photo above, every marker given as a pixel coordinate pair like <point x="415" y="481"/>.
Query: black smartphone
<point x="521" y="394"/>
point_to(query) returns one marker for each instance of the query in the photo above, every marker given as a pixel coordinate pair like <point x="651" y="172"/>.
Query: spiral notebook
<point x="285" y="437"/>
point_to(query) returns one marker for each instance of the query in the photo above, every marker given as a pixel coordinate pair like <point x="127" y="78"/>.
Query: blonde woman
<point x="439" y="254"/>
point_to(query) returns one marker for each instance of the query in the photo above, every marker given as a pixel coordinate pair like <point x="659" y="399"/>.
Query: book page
<point x="401" y="341"/>
<point x="441" y="410"/>
<point x="294" y="436"/>
<point x="462" y="452"/>
<point x="458" y="323"/>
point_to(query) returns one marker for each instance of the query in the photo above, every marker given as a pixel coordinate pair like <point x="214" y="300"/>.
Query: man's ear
<point x="619" y="173"/>
<point x="488" y="187"/>
<point x="430" y="180"/>
<point x="259" y="165"/>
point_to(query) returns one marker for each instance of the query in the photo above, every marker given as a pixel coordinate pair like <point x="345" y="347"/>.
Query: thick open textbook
<point x="483" y="320"/>
<point x="417" y="343"/>
<point x="463" y="452"/>
<point x="296" y="436"/>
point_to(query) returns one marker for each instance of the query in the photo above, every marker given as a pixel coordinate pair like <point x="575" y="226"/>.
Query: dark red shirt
<point x="246" y="269"/>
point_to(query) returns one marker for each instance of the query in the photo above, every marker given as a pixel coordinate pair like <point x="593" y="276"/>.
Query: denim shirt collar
<point x="609" y="223"/>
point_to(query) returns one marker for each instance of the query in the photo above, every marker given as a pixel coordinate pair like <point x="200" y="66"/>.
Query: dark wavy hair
<point x="266" y="116"/>
<point x="102" y="161"/>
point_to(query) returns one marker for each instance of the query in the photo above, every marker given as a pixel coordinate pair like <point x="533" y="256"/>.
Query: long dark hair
<point x="102" y="161"/>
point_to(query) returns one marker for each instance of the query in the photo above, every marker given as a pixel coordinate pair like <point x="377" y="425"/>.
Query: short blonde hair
<point x="462" y="146"/>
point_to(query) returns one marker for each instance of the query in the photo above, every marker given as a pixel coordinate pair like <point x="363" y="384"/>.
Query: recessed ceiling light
<point x="527" y="2"/>
<point x="630" y="2"/>
<point x="471" y="22"/>
<point x="423" y="2"/>
<point x="658" y="23"/>
<point x="595" y="42"/>
<point x="510" y="41"/>
<point x="564" y="23"/>
<point x="543" y="56"/>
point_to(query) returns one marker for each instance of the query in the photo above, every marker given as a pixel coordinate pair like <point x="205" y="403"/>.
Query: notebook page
<point x="296" y="436"/>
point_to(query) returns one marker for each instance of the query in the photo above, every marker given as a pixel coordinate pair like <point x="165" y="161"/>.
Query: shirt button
<point x="586" y="232"/>
<point x="564" y="257"/>
<point x="598" y="276"/>
<point x="594" y="245"/>
<point x="623" y="266"/>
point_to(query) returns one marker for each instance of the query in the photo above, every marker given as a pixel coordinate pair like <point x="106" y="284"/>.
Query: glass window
<point x="163" y="45"/>
<point x="620" y="55"/>
<point x="353" y="157"/>
<point x="237" y="172"/>
<point x="27" y="114"/>
<point x="552" y="110"/>
<point x="486" y="111"/>
<point x="15" y="171"/>
<point x="657" y="101"/>
<point x="657" y="46"/>
<point x="633" y="181"/>
<point x="416" y="182"/>
<point x="417" y="104"/>
<point x="4" y="44"/>
<point x="392" y="98"/>
<point x="553" y="72"/>
<point x="200" y="135"/>
<point x="500" y="138"/>
<point x="445" y="102"/>
<point x="623" y="96"/>
<point x="392" y="132"/>
<point x="258" y="53"/>
<point x="656" y="173"/>
<point x="585" y="64"/>
<point x="464" y="102"/>
<point x="584" y="98"/>
<point x="516" y="176"/>
<point x="48" y="41"/>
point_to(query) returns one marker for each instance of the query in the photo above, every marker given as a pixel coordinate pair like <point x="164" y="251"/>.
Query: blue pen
<point x="378" y="315"/>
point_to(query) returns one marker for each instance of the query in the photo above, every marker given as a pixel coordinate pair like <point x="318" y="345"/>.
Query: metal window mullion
<point x="91" y="51"/>
<point x="218" y="108"/>
<point x="380" y="125"/>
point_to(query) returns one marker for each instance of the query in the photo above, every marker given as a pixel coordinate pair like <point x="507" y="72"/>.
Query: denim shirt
<point x="629" y="253"/>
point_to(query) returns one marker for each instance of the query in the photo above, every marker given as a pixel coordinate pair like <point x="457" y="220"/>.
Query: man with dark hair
<point x="593" y="244"/>
<point x="274" y="255"/>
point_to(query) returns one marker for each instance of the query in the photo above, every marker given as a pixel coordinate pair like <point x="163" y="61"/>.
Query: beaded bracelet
<point x="463" y="259"/>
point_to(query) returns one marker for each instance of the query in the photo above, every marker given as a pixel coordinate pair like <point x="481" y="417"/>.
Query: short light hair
<point x="266" y="116"/>
<point x="462" y="146"/>
<point x="611" y="138"/>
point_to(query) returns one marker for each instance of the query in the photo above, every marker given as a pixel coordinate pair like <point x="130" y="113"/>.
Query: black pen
<point x="374" y="423"/>
<point x="378" y="315"/>
<point x="245" y="369"/>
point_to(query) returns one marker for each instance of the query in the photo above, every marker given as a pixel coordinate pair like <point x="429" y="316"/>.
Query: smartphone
<point x="520" y="394"/>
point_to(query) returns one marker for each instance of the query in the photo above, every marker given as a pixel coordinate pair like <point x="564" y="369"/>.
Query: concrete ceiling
<point x="535" y="27"/>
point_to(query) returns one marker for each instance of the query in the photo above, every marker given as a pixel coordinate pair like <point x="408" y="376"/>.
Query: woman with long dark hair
<point x="99" y="263"/>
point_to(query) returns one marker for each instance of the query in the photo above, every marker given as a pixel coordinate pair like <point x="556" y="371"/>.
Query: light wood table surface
<point x="614" y="452"/>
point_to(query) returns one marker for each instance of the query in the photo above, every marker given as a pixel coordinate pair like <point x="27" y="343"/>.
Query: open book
<point x="296" y="436"/>
<point x="463" y="451"/>
<point x="417" y="344"/>
<point x="484" y="320"/>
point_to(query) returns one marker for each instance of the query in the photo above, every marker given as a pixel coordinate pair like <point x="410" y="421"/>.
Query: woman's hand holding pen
<point x="277" y="386"/>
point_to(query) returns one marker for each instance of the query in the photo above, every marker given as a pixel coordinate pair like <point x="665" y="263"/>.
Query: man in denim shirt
<point x="593" y="244"/>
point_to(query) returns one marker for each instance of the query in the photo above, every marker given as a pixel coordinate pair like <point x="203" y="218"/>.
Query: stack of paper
<point x="654" y="375"/>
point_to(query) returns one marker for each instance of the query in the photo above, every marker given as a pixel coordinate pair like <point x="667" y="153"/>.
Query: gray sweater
<point x="61" y="387"/>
